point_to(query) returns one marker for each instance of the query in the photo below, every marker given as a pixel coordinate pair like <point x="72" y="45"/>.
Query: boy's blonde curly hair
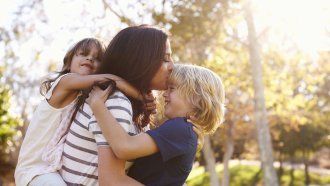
<point x="203" y="89"/>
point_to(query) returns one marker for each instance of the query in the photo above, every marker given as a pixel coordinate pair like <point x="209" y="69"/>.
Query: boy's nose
<point x="165" y="94"/>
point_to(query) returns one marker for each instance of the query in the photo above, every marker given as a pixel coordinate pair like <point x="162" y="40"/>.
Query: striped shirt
<point x="80" y="160"/>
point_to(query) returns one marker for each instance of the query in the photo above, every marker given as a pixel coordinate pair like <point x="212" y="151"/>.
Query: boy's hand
<point x="97" y="96"/>
<point x="150" y="102"/>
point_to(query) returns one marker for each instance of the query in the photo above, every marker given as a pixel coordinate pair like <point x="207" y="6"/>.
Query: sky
<point x="305" y="22"/>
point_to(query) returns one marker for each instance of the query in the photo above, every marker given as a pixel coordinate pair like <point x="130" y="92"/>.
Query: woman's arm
<point x="123" y="145"/>
<point x="112" y="170"/>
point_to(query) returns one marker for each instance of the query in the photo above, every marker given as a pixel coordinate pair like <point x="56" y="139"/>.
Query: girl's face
<point x="85" y="63"/>
<point x="159" y="81"/>
<point x="175" y="104"/>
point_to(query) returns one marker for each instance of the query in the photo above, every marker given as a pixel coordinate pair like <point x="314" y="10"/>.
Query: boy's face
<point x="175" y="104"/>
<point x="85" y="63"/>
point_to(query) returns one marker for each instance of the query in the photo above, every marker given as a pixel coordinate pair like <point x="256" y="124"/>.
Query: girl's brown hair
<point x="85" y="45"/>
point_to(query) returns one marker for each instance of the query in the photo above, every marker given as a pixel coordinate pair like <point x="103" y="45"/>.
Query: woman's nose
<point x="170" y="66"/>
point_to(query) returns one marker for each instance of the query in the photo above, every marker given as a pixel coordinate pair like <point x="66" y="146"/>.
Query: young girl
<point x="194" y="98"/>
<point x="55" y="111"/>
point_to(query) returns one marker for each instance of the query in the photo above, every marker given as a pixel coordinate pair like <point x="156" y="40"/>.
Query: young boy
<point x="194" y="101"/>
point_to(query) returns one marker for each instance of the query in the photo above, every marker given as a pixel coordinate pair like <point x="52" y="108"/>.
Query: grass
<point x="245" y="175"/>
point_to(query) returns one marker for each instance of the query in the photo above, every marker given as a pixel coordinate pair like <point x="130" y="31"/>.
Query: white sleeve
<point x="54" y="84"/>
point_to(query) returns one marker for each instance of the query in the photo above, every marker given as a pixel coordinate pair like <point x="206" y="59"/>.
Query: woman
<point x="142" y="56"/>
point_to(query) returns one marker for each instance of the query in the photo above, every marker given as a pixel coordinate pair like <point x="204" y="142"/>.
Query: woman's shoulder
<point x="119" y="95"/>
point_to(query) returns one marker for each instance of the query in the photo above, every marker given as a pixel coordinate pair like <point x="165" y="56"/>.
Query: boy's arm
<point x="112" y="170"/>
<point x="123" y="145"/>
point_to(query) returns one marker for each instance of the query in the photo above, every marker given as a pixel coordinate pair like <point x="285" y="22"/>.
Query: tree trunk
<point x="210" y="161"/>
<point x="292" y="173"/>
<point x="264" y="139"/>
<point x="228" y="153"/>
<point x="280" y="170"/>
<point x="307" y="177"/>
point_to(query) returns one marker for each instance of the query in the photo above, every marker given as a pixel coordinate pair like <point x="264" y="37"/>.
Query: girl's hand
<point x="113" y="77"/>
<point x="150" y="102"/>
<point x="97" y="96"/>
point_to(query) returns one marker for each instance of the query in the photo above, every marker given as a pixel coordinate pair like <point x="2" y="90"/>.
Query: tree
<point x="264" y="139"/>
<point x="239" y="103"/>
<point x="299" y="109"/>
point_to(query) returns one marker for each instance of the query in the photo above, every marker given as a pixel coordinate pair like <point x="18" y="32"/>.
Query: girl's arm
<point x="74" y="82"/>
<point x="112" y="170"/>
<point x="123" y="145"/>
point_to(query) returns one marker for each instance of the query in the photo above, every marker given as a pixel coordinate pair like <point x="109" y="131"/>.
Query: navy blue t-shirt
<point x="177" y="144"/>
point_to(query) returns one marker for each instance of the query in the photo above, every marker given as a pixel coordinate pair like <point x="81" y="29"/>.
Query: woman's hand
<point x="97" y="96"/>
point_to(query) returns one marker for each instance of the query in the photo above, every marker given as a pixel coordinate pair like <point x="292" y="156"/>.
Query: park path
<point x="299" y="166"/>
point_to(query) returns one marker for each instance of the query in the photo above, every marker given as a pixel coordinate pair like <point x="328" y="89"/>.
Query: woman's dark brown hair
<point x="135" y="54"/>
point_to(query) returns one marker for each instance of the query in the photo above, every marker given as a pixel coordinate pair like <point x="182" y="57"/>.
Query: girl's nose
<point x="89" y="58"/>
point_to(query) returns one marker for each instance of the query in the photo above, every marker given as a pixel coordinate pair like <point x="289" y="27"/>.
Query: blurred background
<point x="273" y="56"/>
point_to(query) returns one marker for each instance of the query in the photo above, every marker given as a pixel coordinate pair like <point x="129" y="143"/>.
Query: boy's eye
<point x="171" y="87"/>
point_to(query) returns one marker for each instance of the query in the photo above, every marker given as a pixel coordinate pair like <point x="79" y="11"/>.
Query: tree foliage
<point x="8" y="123"/>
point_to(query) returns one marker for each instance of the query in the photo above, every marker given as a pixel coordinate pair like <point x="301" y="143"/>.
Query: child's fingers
<point x="113" y="77"/>
<point x="102" y="93"/>
<point x="196" y="130"/>
<point x="98" y="93"/>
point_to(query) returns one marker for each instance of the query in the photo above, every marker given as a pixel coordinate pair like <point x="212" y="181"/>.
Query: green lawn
<point x="244" y="175"/>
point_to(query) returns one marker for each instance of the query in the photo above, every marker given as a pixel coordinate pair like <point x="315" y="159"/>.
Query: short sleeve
<point x="121" y="109"/>
<point x="54" y="84"/>
<point x="172" y="138"/>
